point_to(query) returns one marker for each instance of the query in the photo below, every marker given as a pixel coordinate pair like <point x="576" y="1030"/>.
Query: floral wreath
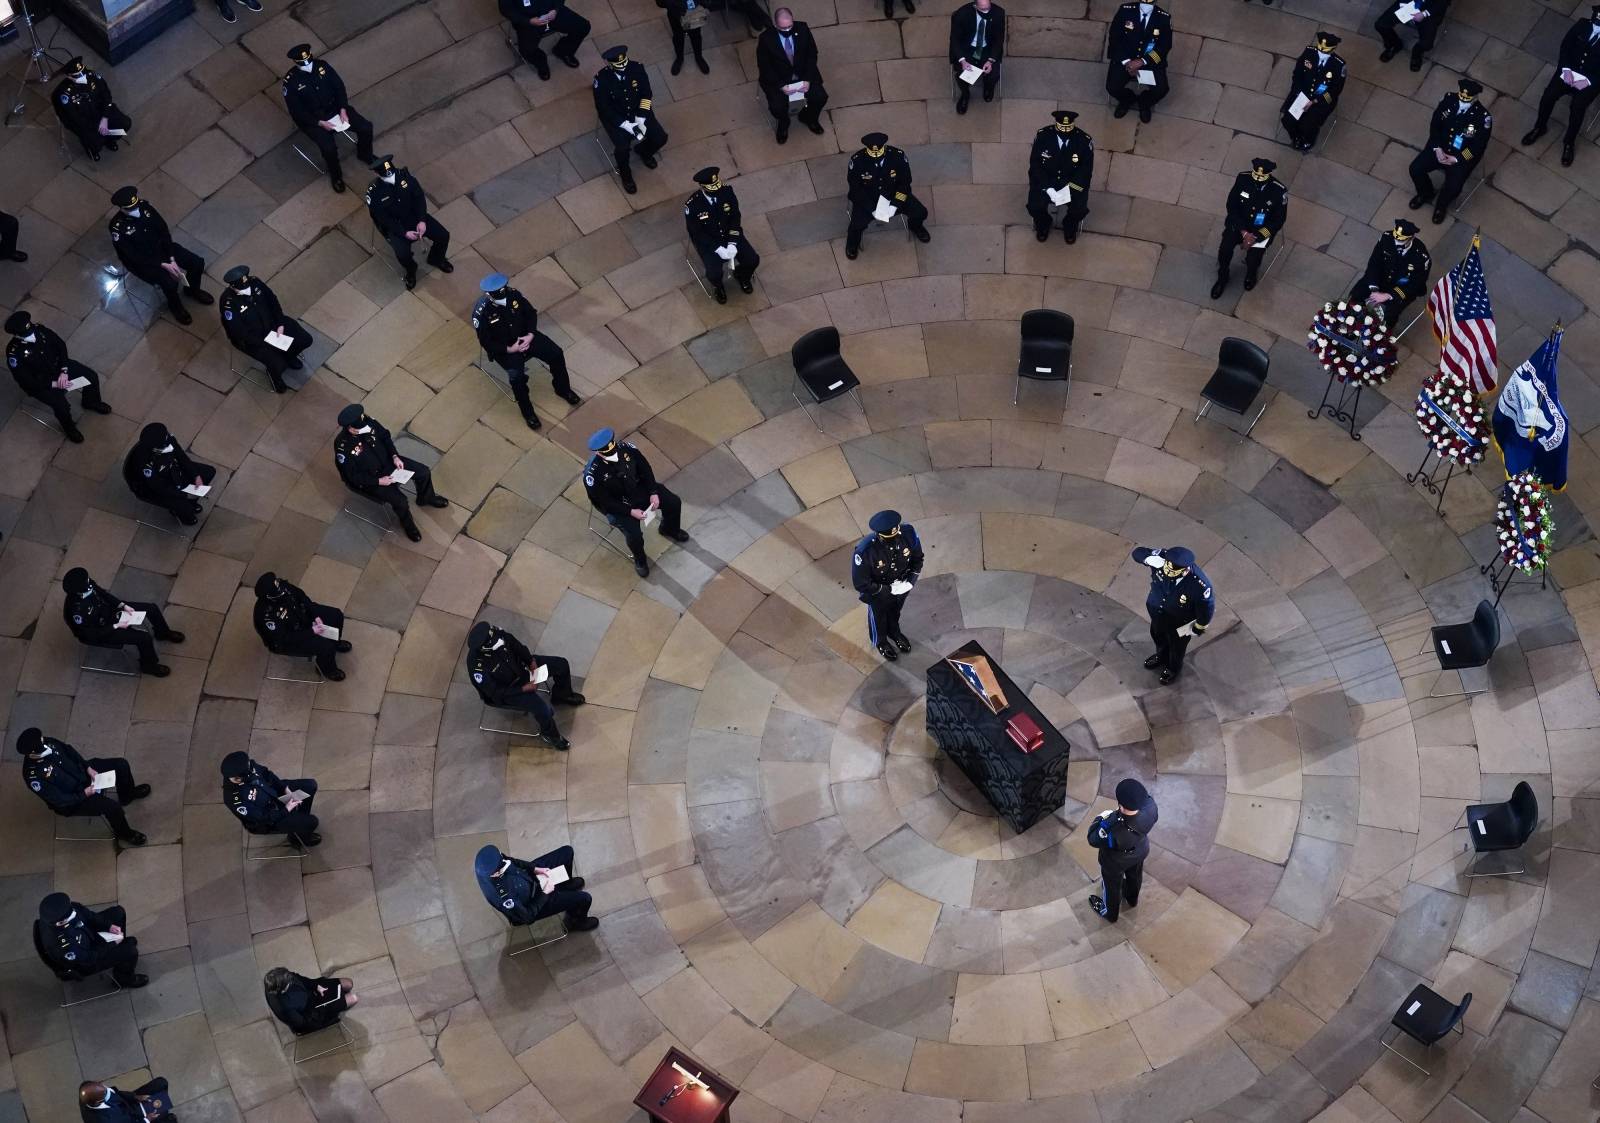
<point x="1450" y="416"/>
<point x="1524" y="522"/>
<point x="1353" y="343"/>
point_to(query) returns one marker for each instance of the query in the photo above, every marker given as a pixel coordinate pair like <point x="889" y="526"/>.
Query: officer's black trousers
<point x="515" y="364"/>
<point x="1126" y="89"/>
<point x="1554" y="92"/>
<point x="274" y="361"/>
<point x="1120" y="885"/>
<point x="121" y="957"/>
<point x="861" y="217"/>
<point x="438" y="251"/>
<point x="57" y="399"/>
<point x="327" y="142"/>
<point x="574" y="902"/>
<point x="680" y="33"/>
<point x="394" y="497"/>
<point x="572" y="28"/>
<point x="745" y="262"/>
<point x="883" y="617"/>
<point x="183" y="507"/>
<point x="102" y="803"/>
<point x="533" y="702"/>
<point x="623" y="142"/>
<point x="89" y="136"/>
<point x="137" y="636"/>
<point x="299" y="822"/>
<point x="1427" y="32"/>
<point x="1305" y="130"/>
<point x="1454" y="176"/>
<point x="1072" y="215"/>
<point x="1170" y="646"/>
<point x="8" y="236"/>
<point x="633" y="534"/>
<point x="1392" y="309"/>
<point x="308" y="644"/>
<point x="1230" y="243"/>
<point x="194" y="268"/>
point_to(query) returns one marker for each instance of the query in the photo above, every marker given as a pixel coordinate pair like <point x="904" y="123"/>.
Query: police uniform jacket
<point x="60" y="776"/>
<point x="81" y="107"/>
<point x="1133" y="38"/>
<point x="880" y="562"/>
<point x="399" y="206"/>
<point x="964" y="25"/>
<point x="501" y="672"/>
<point x="615" y="489"/>
<point x="256" y="800"/>
<point x="142" y="241"/>
<point x="773" y="67"/>
<point x="1061" y="159"/>
<point x="91" y="612"/>
<point x="713" y="220"/>
<point x="1122" y="840"/>
<point x="525" y="11"/>
<point x="285" y="618"/>
<point x="303" y="1010"/>
<point x="247" y="319"/>
<point x="1580" y="52"/>
<point x="517" y="892"/>
<point x="1257" y="207"/>
<point x="36" y="365"/>
<point x="1402" y="275"/>
<point x="364" y="458"/>
<point x="1321" y="82"/>
<point x="315" y="96"/>
<point x="889" y="175"/>
<point x="75" y="946"/>
<point x="151" y="473"/>
<point x="617" y="94"/>
<point x="125" y="1107"/>
<point x="1183" y="600"/>
<point x="501" y="325"/>
<point x="1463" y="133"/>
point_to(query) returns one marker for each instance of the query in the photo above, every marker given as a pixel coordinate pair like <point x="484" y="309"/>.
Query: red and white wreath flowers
<point x="1524" y="524"/>
<point x="1353" y="343"/>
<point x="1449" y="415"/>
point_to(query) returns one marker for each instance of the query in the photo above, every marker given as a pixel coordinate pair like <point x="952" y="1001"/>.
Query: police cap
<point x="75" y="580"/>
<point x="30" y="740"/>
<point x="875" y="140"/>
<point x="602" y="439"/>
<point x="1180" y="556"/>
<point x="238" y="275"/>
<point x="235" y="764"/>
<point x="884" y="522"/>
<point x="55" y="908"/>
<point x="494" y="282"/>
<point x="125" y="196"/>
<point x="19" y="322"/>
<point x="350" y="416"/>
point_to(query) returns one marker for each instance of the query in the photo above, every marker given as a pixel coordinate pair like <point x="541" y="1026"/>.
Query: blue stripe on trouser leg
<point x="872" y="626"/>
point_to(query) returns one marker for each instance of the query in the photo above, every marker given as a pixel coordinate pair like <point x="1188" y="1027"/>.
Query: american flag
<point x="1463" y="323"/>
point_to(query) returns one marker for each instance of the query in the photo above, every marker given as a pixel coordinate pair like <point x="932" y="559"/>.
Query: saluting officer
<point x="880" y="170"/>
<point x="58" y="774"/>
<point x="623" y="104"/>
<point x="1458" y="136"/>
<point x="1579" y="62"/>
<point x="365" y="457"/>
<point x="978" y="40"/>
<point x="623" y="488"/>
<point x="157" y="469"/>
<point x="507" y="324"/>
<point x="1179" y="603"/>
<point x="254" y="793"/>
<point x="1396" y="273"/>
<point x="38" y="361"/>
<point x="507" y="676"/>
<point x="96" y="616"/>
<point x="316" y="98"/>
<point x="291" y="623"/>
<point x="1139" y="43"/>
<point x="399" y="210"/>
<point x="250" y="310"/>
<point x="712" y="217"/>
<point x="534" y="19"/>
<point x="1429" y="16"/>
<point x="1062" y="159"/>
<point x="76" y="938"/>
<point x="514" y="888"/>
<point x="1258" y="205"/>
<point x="786" y="54"/>
<point x="82" y="100"/>
<point x="1318" y="77"/>
<point x="886" y="564"/>
<point x="144" y="244"/>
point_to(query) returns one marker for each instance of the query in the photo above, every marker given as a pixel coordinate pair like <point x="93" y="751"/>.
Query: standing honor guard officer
<point x="716" y="230"/>
<point x="1119" y="836"/>
<point x="1179" y="603"/>
<point x="316" y="98"/>
<point x="37" y="359"/>
<point x="1426" y="18"/>
<point x="1136" y="57"/>
<point x="70" y="785"/>
<point x="878" y="174"/>
<point x="76" y="938"/>
<point x="365" y="458"/>
<point x="507" y="675"/>
<point x="977" y="42"/>
<point x="99" y="618"/>
<point x="291" y="623"/>
<point x="82" y="100"/>
<point x="1458" y="137"/>
<point x="1314" y="88"/>
<point x="623" y="488"/>
<point x="885" y="566"/>
<point x="508" y="330"/>
<point x="1396" y="273"/>
<point x="1258" y="205"/>
<point x="399" y="210"/>
<point x="8" y="239"/>
<point x="623" y="104"/>
<point x="534" y="19"/>
<point x="786" y="59"/>
<point x="252" y="316"/>
<point x="144" y="244"/>
<point x="686" y="19"/>
<point x="1577" y="71"/>
<point x="1062" y="160"/>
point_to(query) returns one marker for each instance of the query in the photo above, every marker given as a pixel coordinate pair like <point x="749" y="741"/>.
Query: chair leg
<point x="1382" y="1040"/>
<point x="1205" y="407"/>
<point x="345" y="1042"/>
<point x="249" y="375"/>
<point x="116" y="988"/>
<point x="1016" y="391"/>
<point x="698" y="279"/>
<point x="369" y="522"/>
<point x="87" y="666"/>
<point x="535" y="945"/>
<point x="1434" y="691"/>
<point x="1252" y="424"/>
<point x="605" y="537"/>
<point x="482" y="363"/>
<point x="30" y="415"/>
<point x="246" y="855"/>
<point x="318" y="681"/>
<point x="306" y="156"/>
<point x="611" y="161"/>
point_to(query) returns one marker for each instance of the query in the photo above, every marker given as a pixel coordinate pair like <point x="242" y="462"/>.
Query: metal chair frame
<point x="116" y="988"/>
<point x="314" y="682"/>
<point x="1016" y="391"/>
<point x="308" y="158"/>
<point x="147" y="310"/>
<point x="482" y="363"/>
<point x="1384" y="1039"/>
<point x="28" y="412"/>
<point x="605" y="536"/>
<point x="535" y="942"/>
<point x="698" y="278"/>
<point x="257" y="856"/>
<point x="1206" y="408"/>
<point x="851" y="393"/>
<point x="87" y="666"/>
<point x="346" y="1041"/>
<point x="899" y="216"/>
<point x="79" y="837"/>
<point x="546" y="688"/>
<point x="250" y="366"/>
<point x="1477" y="855"/>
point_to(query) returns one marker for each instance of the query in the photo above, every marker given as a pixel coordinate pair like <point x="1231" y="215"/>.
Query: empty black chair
<point x="1046" y="349"/>
<point x="1425" y="1016"/>
<point x="1241" y="372"/>
<point x="72" y="974"/>
<point x="1501" y="826"/>
<point x="1460" y="646"/>
<point x="822" y="370"/>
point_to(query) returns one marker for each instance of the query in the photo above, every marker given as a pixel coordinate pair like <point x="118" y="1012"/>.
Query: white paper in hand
<point x="401" y="475"/>
<point x="797" y="95"/>
<point x="900" y="588"/>
<point x="650" y="518"/>
<point x="541" y="674"/>
<point x="110" y="937"/>
<point x="971" y="74"/>
<point x="557" y="876"/>
<point x="1406" y="12"/>
<point x="77" y="384"/>
<point x="196" y="490"/>
<point x="104" y="781"/>
<point x="279" y="340"/>
<point x="337" y="124"/>
<point x="1059" y="196"/>
<point x="293" y="794"/>
<point x="1299" y="105"/>
<point x="116" y="132"/>
<point x="1155" y="561"/>
<point x="884" y="211"/>
<point x="1186" y="630"/>
<point x="329" y="633"/>
<point x="132" y="619"/>
<point x="727" y="253"/>
<point x="1146" y="77"/>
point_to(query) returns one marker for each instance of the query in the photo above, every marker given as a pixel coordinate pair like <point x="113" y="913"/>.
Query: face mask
<point x="611" y="457"/>
<point x="364" y="430"/>
<point x="29" y="338"/>
<point x="245" y="291"/>
<point x="497" y="645"/>
<point x="133" y="212"/>
<point x="166" y="447"/>
<point x="1260" y="177"/>
<point x="81" y="79"/>
<point x="306" y="66"/>
<point x="388" y="177"/>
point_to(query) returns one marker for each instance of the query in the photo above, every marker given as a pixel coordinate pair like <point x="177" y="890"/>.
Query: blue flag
<point x="1530" y="427"/>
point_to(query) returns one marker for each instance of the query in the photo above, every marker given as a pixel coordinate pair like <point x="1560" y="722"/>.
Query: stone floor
<point x="791" y="884"/>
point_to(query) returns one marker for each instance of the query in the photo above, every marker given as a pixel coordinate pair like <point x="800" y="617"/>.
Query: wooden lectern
<point x="682" y="1090"/>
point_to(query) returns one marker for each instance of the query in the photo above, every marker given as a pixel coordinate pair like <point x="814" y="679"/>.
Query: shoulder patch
<point x="34" y="784"/>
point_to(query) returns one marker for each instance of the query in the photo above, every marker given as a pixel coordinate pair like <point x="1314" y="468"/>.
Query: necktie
<point x="788" y="46"/>
<point x="980" y="38"/>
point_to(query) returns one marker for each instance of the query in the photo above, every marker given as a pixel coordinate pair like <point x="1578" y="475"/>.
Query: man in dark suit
<point x="144" y="244"/>
<point x="365" y="457"/>
<point x="71" y="786"/>
<point x="148" y="1103"/>
<point x="1577" y="71"/>
<point x="977" y="42"/>
<point x="1121" y="837"/>
<point x="1137" y="51"/>
<point x="157" y="469"/>
<point x="399" y="209"/>
<point x="712" y="217"/>
<point x="1429" y="15"/>
<point x="786" y="56"/>
<point x="291" y="623"/>
<point x="316" y="99"/>
<point x="1396" y="273"/>
<point x="98" y="617"/>
<point x="1062" y="159"/>
<point x="534" y="19"/>
<point x="519" y="892"/>
<point x="77" y="939"/>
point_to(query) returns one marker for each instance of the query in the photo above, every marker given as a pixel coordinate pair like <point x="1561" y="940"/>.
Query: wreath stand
<point x="1429" y="479"/>
<point x="1337" y="410"/>
<point x="1502" y="576"/>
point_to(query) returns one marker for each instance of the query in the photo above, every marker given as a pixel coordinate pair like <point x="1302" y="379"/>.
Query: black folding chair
<point x="1462" y="646"/>
<point x="822" y="370"/>
<point x="1046" y="349"/>
<point x="1500" y="826"/>
<point x="1235" y="385"/>
<point x="1425" y="1016"/>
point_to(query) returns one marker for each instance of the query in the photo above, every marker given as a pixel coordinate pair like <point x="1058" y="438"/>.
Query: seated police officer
<point x="1396" y="273"/>
<point x="880" y="171"/>
<point x="76" y="938"/>
<point x="82" y="100"/>
<point x="144" y="244"/>
<point x="307" y="1005"/>
<point x="99" y="618"/>
<point x="522" y="892"/>
<point x="399" y="210"/>
<point x="148" y="1103"/>
<point x="1257" y="207"/>
<point x="716" y="230"/>
<point x="884" y="567"/>
<point x="623" y="103"/>
<point x="262" y="802"/>
<point x="623" y="488"/>
<point x="1062" y="158"/>
<point x="316" y="99"/>
<point x="38" y="361"/>
<point x="251" y="315"/>
<point x="507" y="676"/>
<point x="291" y="623"/>
<point x="58" y="774"/>
<point x="1458" y="137"/>
<point x="157" y="469"/>
<point x="507" y="324"/>
<point x="365" y="456"/>
<point x="1179" y="603"/>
